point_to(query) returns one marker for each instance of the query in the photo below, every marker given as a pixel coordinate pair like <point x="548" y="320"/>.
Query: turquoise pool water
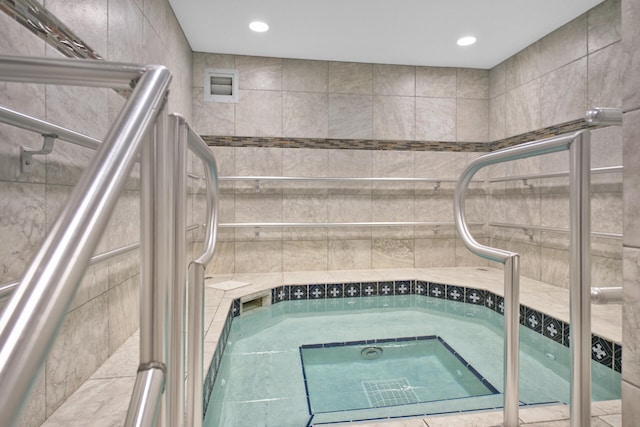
<point x="261" y="381"/>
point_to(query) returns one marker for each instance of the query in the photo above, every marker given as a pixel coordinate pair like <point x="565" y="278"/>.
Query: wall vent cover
<point x="220" y="85"/>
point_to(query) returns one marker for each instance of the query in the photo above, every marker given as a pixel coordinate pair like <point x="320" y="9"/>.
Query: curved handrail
<point x="580" y="267"/>
<point x="535" y="148"/>
<point x="195" y="304"/>
<point x="52" y="277"/>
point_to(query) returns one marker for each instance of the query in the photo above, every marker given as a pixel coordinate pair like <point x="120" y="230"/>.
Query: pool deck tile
<point x="110" y="386"/>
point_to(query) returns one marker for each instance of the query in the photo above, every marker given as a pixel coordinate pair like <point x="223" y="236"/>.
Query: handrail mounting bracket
<point x="26" y="156"/>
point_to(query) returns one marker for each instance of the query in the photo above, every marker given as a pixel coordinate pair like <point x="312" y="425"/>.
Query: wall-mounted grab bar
<point x="616" y="236"/>
<point x="578" y="145"/>
<point x="50" y="281"/>
<point x="183" y="133"/>
<point x="608" y="169"/>
<point x="337" y="224"/>
<point x="604" y="116"/>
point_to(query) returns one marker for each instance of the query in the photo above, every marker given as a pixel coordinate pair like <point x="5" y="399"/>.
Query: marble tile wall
<point x="324" y="99"/>
<point x="104" y="312"/>
<point x="631" y="242"/>
<point x="557" y="78"/>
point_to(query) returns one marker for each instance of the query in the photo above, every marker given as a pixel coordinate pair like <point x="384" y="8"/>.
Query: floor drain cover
<point x="389" y="392"/>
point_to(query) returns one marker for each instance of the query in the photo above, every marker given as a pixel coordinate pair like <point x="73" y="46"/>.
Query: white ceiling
<point x="409" y="32"/>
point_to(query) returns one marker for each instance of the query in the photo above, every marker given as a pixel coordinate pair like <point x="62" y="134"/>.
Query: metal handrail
<point x="34" y="313"/>
<point x="336" y="224"/>
<point x="330" y="179"/>
<point x="602" y="234"/>
<point x="578" y="145"/>
<point x="182" y="133"/>
<point x="7" y="289"/>
<point x="26" y="122"/>
<point x="608" y="169"/>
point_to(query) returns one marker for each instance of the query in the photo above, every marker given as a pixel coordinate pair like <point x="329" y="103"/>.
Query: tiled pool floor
<point x="102" y="400"/>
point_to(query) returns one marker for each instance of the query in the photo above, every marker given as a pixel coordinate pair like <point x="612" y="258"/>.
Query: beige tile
<point x="349" y="254"/>
<point x="394" y="80"/>
<point x="472" y="83"/>
<point x="305" y="208"/>
<point x="630" y="54"/>
<point x="304" y="255"/>
<point x="305" y="76"/>
<point x="223" y="259"/>
<point x="435" y="252"/>
<point x="606" y="77"/>
<point x="81" y="337"/>
<point x="392" y="208"/>
<point x="350" y="116"/>
<point x="256" y="257"/>
<point x="212" y="118"/>
<point x="523" y="108"/>
<point x="351" y="78"/>
<point x="631" y="316"/>
<point x="124" y="303"/>
<point x="604" y="25"/>
<point x="564" y="45"/>
<point x="472" y="122"/>
<point x="259" y="73"/>
<point x="631" y="178"/>
<point x="544" y="413"/>
<point x="258" y="208"/>
<point x="436" y="119"/>
<point x="393" y="117"/>
<point x="33" y="415"/>
<point x="392" y="253"/>
<point x="630" y="407"/>
<point x="349" y="208"/>
<point x="497" y="115"/>
<point x="484" y="419"/>
<point x="563" y="94"/>
<point x="436" y="82"/>
<point x="259" y="113"/>
<point x="497" y="80"/>
<point x="258" y="161"/>
<point x="523" y="67"/>
<point x="305" y="115"/>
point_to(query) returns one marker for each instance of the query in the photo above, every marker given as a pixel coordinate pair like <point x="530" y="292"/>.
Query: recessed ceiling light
<point x="258" y="26"/>
<point x="466" y="41"/>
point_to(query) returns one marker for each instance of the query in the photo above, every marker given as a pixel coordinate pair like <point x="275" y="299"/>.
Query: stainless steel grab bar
<point x="602" y="234"/>
<point x="49" y="284"/>
<point x="608" y="169"/>
<point x="33" y="124"/>
<point x="578" y="145"/>
<point x="196" y="273"/>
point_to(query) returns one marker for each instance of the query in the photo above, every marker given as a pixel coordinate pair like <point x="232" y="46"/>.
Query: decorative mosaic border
<point x="603" y="351"/>
<point x="370" y="144"/>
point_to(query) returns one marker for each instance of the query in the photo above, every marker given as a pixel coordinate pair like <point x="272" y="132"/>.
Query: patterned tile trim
<point x="603" y="351"/>
<point x="370" y="144"/>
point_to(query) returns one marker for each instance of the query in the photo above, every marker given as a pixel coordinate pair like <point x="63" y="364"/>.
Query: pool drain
<point x="371" y="352"/>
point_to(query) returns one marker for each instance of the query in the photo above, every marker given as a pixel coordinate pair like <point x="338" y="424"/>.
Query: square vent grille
<point x="220" y="85"/>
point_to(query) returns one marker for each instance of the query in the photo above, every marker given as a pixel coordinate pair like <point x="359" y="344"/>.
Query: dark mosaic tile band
<point x="370" y="144"/>
<point x="343" y="144"/>
<point x="334" y="296"/>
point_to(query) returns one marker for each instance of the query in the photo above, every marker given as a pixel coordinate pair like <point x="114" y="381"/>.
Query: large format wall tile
<point x="472" y="123"/>
<point x="630" y="407"/>
<point x="259" y="113"/>
<point x="435" y="253"/>
<point x="305" y="76"/>
<point x="259" y="73"/>
<point x="349" y="254"/>
<point x="523" y="108"/>
<point x="396" y="80"/>
<point x="351" y="77"/>
<point x="631" y="316"/>
<point x="304" y="255"/>
<point x="258" y="257"/>
<point x="630" y="54"/>
<point x="350" y="116"/>
<point x="22" y="209"/>
<point x="436" y="119"/>
<point x="497" y="114"/>
<point x="497" y="80"/>
<point x="606" y="77"/>
<point x="202" y="61"/>
<point x="436" y="82"/>
<point x="564" y="45"/>
<point x="78" y="351"/>
<point x="393" y="117"/>
<point x="472" y="83"/>
<point x="305" y="115"/>
<point x="631" y="178"/>
<point x="392" y="253"/>
<point x="124" y="303"/>
<point x="212" y="118"/>
<point x="604" y="25"/>
<point x="563" y="94"/>
<point x="34" y="412"/>
<point x="523" y="67"/>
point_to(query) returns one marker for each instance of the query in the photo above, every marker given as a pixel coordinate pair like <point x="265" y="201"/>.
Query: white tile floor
<point x="103" y="400"/>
